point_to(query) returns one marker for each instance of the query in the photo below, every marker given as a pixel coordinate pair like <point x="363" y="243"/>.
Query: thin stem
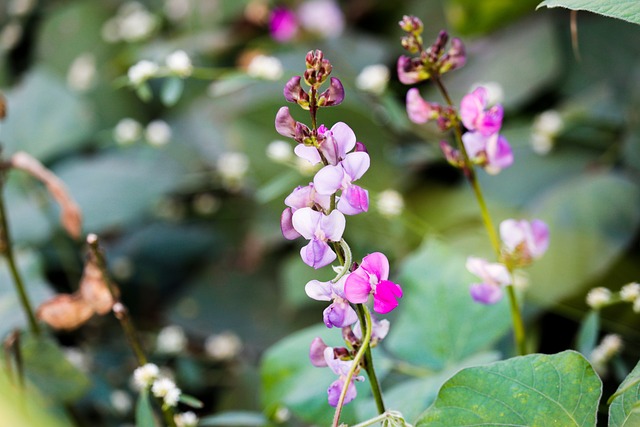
<point x="7" y="250"/>
<point x="365" y="319"/>
<point x="356" y="362"/>
<point x="518" y="324"/>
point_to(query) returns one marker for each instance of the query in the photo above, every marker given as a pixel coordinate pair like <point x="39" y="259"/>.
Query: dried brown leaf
<point x="65" y="311"/>
<point x="95" y="290"/>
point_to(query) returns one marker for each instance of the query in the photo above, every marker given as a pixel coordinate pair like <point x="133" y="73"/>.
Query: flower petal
<point x="285" y="124"/>
<point x="418" y="110"/>
<point x="386" y="296"/>
<point x="286" y="225"/>
<point x="319" y="291"/>
<point x="540" y="234"/>
<point x="339" y="314"/>
<point x="328" y="180"/>
<point x="357" y="287"/>
<point x="356" y="164"/>
<point x="354" y="200"/>
<point x="316" y="353"/>
<point x="308" y="153"/>
<point x="486" y="293"/>
<point x="376" y="264"/>
<point x="344" y="137"/>
<point x="333" y="225"/>
<point x="317" y="254"/>
<point x="305" y="221"/>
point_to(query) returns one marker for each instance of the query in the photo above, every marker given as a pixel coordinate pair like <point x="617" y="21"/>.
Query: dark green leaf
<point x="588" y="333"/>
<point x="627" y="10"/>
<point x="171" y="90"/>
<point x="623" y="411"/>
<point x="47" y="367"/>
<point x="535" y="390"/>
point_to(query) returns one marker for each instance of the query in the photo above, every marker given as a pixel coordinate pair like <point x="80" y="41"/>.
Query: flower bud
<point x="454" y="58"/>
<point x="293" y="92"/>
<point x="334" y="95"/>
<point x="316" y="353"/>
<point x="411" y="24"/>
<point x="411" y="70"/>
<point x="434" y="52"/>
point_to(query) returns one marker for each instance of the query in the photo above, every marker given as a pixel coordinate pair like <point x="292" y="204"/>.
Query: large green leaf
<point x="48" y="368"/>
<point x="591" y="219"/>
<point x="625" y="407"/>
<point x="438" y="323"/>
<point x="45" y="118"/>
<point x="627" y="10"/>
<point x="535" y="390"/>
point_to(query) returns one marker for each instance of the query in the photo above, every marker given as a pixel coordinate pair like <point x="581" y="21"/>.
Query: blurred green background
<point x="191" y="227"/>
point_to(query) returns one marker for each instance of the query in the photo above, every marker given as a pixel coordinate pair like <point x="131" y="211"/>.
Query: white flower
<point x="142" y="71"/>
<point x="77" y="358"/>
<point x="373" y="79"/>
<point x="177" y="10"/>
<point x="82" y="72"/>
<point x="305" y="167"/>
<point x="233" y="165"/>
<point x="158" y="133"/>
<point x="546" y="127"/>
<point x="322" y="17"/>
<point x="171" y="340"/>
<point x="598" y="297"/>
<point x="135" y="22"/>
<point x="279" y="151"/>
<point x="127" y="131"/>
<point x="223" y="346"/>
<point x="166" y="389"/>
<point x="179" y="63"/>
<point x="265" y="67"/>
<point x="390" y="203"/>
<point x="186" y="419"/>
<point x="495" y="93"/>
<point x="630" y="292"/>
<point x="610" y="345"/>
<point x="145" y="375"/>
<point x="120" y="401"/>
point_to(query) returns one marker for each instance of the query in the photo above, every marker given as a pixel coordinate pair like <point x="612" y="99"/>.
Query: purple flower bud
<point x="293" y="92"/>
<point x="289" y="127"/>
<point x="454" y="58"/>
<point x="419" y="110"/>
<point x="334" y="95"/>
<point x="411" y="24"/>
<point x="286" y="225"/>
<point x="411" y="70"/>
<point x="360" y="147"/>
<point x="316" y="353"/>
<point x="339" y="314"/>
<point x="434" y="52"/>
<point x="485" y="293"/>
<point x="493" y="275"/>
<point x="283" y="24"/>
<point x="452" y="155"/>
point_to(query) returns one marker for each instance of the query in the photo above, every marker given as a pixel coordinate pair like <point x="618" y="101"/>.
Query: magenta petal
<point x="317" y="254"/>
<point x="316" y="353"/>
<point x="283" y="24"/>
<point x="386" y="296"/>
<point x="499" y="154"/>
<point x="486" y="293"/>
<point x="286" y="225"/>
<point x="357" y="287"/>
<point x="376" y="264"/>
<point x="353" y="201"/>
<point x="328" y="180"/>
<point x="491" y="121"/>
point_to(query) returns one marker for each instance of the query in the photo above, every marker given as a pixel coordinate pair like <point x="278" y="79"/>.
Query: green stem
<point x="7" y="251"/>
<point x="365" y="319"/>
<point x="364" y="346"/>
<point x="516" y="316"/>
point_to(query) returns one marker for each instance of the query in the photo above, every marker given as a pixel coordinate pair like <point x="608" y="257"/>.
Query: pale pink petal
<point x="300" y="197"/>
<point x="511" y="233"/>
<point x="305" y="221"/>
<point x="486" y="293"/>
<point x="317" y="254"/>
<point x="345" y="138"/>
<point x="353" y="201"/>
<point x="285" y="124"/>
<point x="471" y="107"/>
<point x="474" y="143"/>
<point x="308" y="153"/>
<point x="333" y="225"/>
<point x="339" y="314"/>
<point x="540" y="233"/>
<point x="286" y="225"/>
<point x="316" y="353"/>
<point x="356" y="164"/>
<point x="319" y="291"/>
<point x="328" y="180"/>
<point x="418" y="110"/>
<point x="376" y="264"/>
<point x="499" y="154"/>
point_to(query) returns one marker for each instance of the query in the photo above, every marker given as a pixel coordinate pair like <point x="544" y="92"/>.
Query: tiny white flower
<point x="82" y="72"/>
<point x="179" y="63"/>
<point x="127" y="131"/>
<point x="265" y="67"/>
<point x="135" y="22"/>
<point x="233" y="165"/>
<point x="598" y="297"/>
<point x="142" y="71"/>
<point x="495" y="92"/>
<point x="171" y="340"/>
<point x="145" y="375"/>
<point x="630" y="292"/>
<point x="166" y="389"/>
<point x="390" y="203"/>
<point x="121" y="401"/>
<point x="158" y="133"/>
<point x="610" y="345"/>
<point x="186" y="419"/>
<point x="224" y="346"/>
<point x="373" y="79"/>
<point x="172" y="397"/>
<point x="279" y="151"/>
<point x="546" y="127"/>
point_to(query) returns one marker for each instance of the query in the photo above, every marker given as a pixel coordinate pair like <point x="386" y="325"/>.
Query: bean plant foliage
<point x="319" y="212"/>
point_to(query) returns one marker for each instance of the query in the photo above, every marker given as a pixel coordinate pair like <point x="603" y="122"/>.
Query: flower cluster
<point x="482" y="143"/>
<point x="148" y="376"/>
<point x="601" y="297"/>
<point x="317" y="212"/>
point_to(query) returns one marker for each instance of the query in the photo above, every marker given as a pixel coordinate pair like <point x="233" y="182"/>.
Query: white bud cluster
<point x="610" y="345"/>
<point x="132" y="23"/>
<point x="598" y="297"/>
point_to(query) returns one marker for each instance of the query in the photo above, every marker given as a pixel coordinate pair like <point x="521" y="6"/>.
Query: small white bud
<point x="135" y="22"/>
<point x="224" y="346"/>
<point x="82" y="72"/>
<point x="166" y="389"/>
<point x="145" y="375"/>
<point x="390" y="203"/>
<point x="630" y="292"/>
<point x="373" y="79"/>
<point x="158" y="133"/>
<point x="179" y="63"/>
<point x="279" y="151"/>
<point x="186" y="419"/>
<point x="171" y="340"/>
<point x="233" y="165"/>
<point x="546" y="127"/>
<point x="127" y="131"/>
<point x="598" y="297"/>
<point x="265" y="67"/>
<point x="142" y="71"/>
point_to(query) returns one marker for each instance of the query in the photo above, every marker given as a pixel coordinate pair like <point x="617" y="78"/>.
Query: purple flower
<point x="524" y="241"/>
<point x="286" y="225"/>
<point x="476" y="117"/>
<point x="334" y="94"/>
<point x="371" y="277"/>
<point x="339" y="313"/>
<point x="419" y="110"/>
<point x="333" y="144"/>
<point x="318" y="229"/>
<point x="493" y="275"/>
<point x="283" y="24"/>
<point x="316" y="353"/>
<point x="493" y="153"/>
<point x="293" y="92"/>
<point x="329" y="179"/>
<point x="289" y="127"/>
<point x="340" y="368"/>
<point x="300" y="197"/>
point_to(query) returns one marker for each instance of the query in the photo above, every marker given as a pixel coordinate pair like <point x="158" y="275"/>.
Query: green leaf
<point x="191" y="401"/>
<point x="623" y="411"/>
<point x="49" y="370"/>
<point x="588" y="334"/>
<point x="535" y="390"/>
<point x="171" y="91"/>
<point x="234" y="419"/>
<point x="144" y="411"/>
<point x="64" y="122"/>
<point x="591" y="219"/>
<point x="144" y="92"/>
<point x="473" y="17"/>
<point x="627" y="10"/>
<point x="438" y="323"/>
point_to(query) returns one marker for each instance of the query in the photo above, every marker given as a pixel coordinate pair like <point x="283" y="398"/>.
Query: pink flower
<point x="419" y="110"/>
<point x="283" y="24"/>
<point x="329" y="179"/>
<point x="371" y="277"/>
<point x="316" y="353"/>
<point x="493" y="153"/>
<point x="289" y="127"/>
<point x="524" y="241"/>
<point x="318" y="229"/>
<point x="339" y="313"/>
<point x="301" y="197"/>
<point x="334" y="144"/>
<point x="411" y="70"/>
<point x="493" y="275"/>
<point x="476" y="117"/>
